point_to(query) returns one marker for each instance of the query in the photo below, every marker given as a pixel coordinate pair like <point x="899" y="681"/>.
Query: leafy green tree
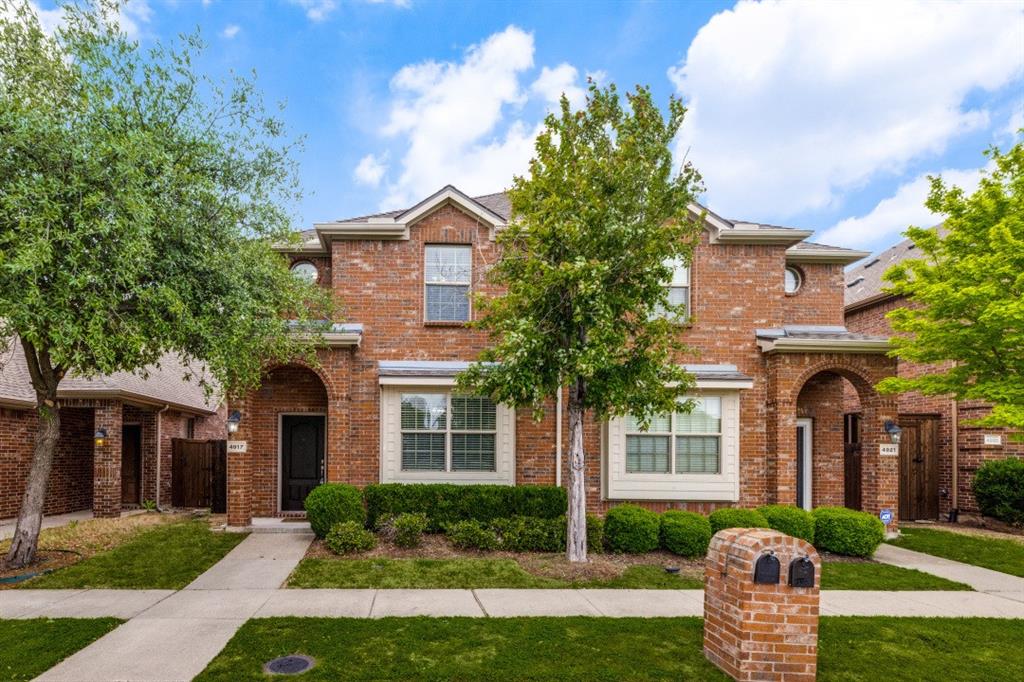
<point x="966" y="318"/>
<point x="138" y="206"/>
<point x="584" y="264"/>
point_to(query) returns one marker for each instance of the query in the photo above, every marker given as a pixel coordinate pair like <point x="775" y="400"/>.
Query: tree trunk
<point x="26" y="533"/>
<point x="576" y="545"/>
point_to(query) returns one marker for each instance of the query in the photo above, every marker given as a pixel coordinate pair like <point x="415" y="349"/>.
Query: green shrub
<point x="790" y="520"/>
<point x="845" y="531"/>
<point x="331" y="503"/>
<point x="472" y="534"/>
<point x="349" y="536"/>
<point x="530" y="534"/>
<point x="732" y="517"/>
<point x="595" y="533"/>
<point x="409" y="529"/>
<point x="447" y="503"/>
<point x="685" y="533"/>
<point x="999" y="489"/>
<point x="631" y="529"/>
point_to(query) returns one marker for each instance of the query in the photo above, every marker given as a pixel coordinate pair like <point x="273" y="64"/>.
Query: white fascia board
<point x="362" y="230"/>
<point x="786" y="345"/>
<point x="840" y="256"/>
<point x="417" y="381"/>
<point x="763" y="235"/>
<point x="450" y="194"/>
<point x="727" y="384"/>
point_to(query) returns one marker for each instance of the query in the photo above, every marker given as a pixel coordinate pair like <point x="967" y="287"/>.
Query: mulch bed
<point x="46" y="560"/>
<point x="542" y="564"/>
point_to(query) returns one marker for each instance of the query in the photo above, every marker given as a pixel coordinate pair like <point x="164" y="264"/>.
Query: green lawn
<point x="483" y="573"/>
<point x="167" y="557"/>
<point x="29" y="647"/>
<point x="839" y="575"/>
<point x="894" y="649"/>
<point x="995" y="553"/>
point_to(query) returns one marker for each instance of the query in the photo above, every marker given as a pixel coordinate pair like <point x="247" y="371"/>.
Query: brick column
<point x="880" y="474"/>
<point x="759" y="631"/>
<point x="106" y="461"/>
<point x="240" y="470"/>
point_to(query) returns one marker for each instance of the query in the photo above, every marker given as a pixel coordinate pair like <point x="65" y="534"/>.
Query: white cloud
<point x="230" y="31"/>
<point x="371" y="170"/>
<point x="884" y="224"/>
<point x="449" y="118"/>
<point x="404" y="4"/>
<point x="794" y="103"/>
<point x="316" y="10"/>
<point x="129" y="17"/>
<point x="1013" y="126"/>
<point x="552" y="83"/>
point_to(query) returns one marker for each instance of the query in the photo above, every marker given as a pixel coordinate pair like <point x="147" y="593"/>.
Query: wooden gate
<point x="919" y="468"/>
<point x="199" y="474"/>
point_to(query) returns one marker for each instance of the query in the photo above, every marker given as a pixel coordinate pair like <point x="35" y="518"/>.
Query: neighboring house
<point x="140" y="415"/>
<point x="771" y="356"/>
<point x="940" y="449"/>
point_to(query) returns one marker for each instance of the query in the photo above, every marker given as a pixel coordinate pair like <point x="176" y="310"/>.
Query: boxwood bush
<point x="631" y="529"/>
<point x="845" y="531"/>
<point x="446" y="503"/>
<point x="685" y="533"/>
<point x="530" y="534"/>
<point x="409" y="529"/>
<point x="999" y="489"/>
<point x="349" y="536"/>
<point x="472" y="534"/>
<point x="595" y="533"/>
<point x="732" y="517"/>
<point x="790" y="520"/>
<point x="331" y="503"/>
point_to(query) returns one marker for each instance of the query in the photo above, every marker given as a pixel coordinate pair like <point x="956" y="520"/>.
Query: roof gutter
<point x="128" y="397"/>
<point x="798" y="345"/>
<point x="868" y="302"/>
<point x="839" y="256"/>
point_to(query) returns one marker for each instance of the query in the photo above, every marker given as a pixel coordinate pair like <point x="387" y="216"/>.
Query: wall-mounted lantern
<point x="895" y="432"/>
<point x="233" y="420"/>
<point x="100" y="437"/>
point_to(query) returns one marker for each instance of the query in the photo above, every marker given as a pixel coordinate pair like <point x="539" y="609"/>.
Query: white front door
<point x="804" y="448"/>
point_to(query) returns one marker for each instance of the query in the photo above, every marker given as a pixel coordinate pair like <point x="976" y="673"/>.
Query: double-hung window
<point x="678" y="443"/>
<point x="448" y="270"/>
<point x="446" y="432"/>
<point x="678" y="289"/>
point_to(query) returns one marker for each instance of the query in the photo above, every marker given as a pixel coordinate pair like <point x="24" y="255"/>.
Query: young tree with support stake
<point x="595" y="228"/>
<point x="138" y="206"/>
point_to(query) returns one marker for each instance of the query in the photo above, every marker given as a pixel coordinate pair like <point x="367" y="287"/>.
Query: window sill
<point x="442" y="323"/>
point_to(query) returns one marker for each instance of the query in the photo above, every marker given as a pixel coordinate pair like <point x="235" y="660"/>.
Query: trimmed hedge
<point x="845" y="531"/>
<point x="685" y="533"/>
<point x="409" y="529"/>
<point x="347" y="537"/>
<point x="471" y="534"/>
<point x="999" y="489"/>
<point x="530" y="534"/>
<point x="331" y="503"/>
<point x="733" y="517"/>
<point x="632" y="529"/>
<point x="447" y="503"/>
<point x="595" y="533"/>
<point x="790" y="520"/>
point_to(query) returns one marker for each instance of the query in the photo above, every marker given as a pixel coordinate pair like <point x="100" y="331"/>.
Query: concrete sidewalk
<point x="169" y="636"/>
<point x="981" y="579"/>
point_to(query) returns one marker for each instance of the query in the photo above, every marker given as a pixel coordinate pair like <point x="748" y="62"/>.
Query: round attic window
<point x="793" y="280"/>
<point x="305" y="270"/>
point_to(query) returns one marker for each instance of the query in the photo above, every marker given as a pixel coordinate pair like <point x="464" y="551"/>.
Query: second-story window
<point x="678" y="289"/>
<point x="448" y="270"/>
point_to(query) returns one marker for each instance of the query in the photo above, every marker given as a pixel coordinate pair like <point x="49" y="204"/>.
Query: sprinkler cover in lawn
<point x="289" y="665"/>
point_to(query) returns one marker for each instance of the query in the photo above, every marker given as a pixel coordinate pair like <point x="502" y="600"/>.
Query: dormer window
<point x="678" y="288"/>
<point x="447" y="273"/>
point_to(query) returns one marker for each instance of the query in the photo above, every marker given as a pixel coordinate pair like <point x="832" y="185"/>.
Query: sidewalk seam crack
<point x="480" y="604"/>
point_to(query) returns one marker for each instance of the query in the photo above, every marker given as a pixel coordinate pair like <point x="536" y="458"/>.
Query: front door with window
<point x="804" y="448"/>
<point x="919" y="468"/>
<point x="302" y="458"/>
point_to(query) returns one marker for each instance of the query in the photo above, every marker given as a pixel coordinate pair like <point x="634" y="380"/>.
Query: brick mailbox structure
<point x="757" y="627"/>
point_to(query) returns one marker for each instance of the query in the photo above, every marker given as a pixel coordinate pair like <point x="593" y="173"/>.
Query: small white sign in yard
<point x="993" y="439"/>
<point x="238" y="445"/>
<point x="889" y="450"/>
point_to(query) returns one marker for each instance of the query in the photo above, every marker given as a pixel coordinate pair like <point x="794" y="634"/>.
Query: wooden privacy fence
<point x="199" y="474"/>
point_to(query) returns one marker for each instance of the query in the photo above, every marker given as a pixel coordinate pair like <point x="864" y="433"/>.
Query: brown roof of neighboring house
<point x="864" y="283"/>
<point x="163" y="384"/>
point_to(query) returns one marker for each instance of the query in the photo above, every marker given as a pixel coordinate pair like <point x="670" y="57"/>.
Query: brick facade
<point x="736" y="288"/>
<point x="953" y="417"/>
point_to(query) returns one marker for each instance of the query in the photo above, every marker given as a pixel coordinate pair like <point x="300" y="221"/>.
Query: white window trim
<point x="672" y="436"/>
<point x="721" y="487"/>
<point x="391" y="443"/>
<point x="676" y="266"/>
<point x="468" y="284"/>
<point x="808" y="456"/>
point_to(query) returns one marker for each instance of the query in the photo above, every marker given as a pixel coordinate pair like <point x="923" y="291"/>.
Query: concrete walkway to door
<point x="176" y="636"/>
<point x="981" y="579"/>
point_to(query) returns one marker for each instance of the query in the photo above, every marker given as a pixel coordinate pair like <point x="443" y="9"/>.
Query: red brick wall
<point x="972" y="451"/>
<point x="821" y="399"/>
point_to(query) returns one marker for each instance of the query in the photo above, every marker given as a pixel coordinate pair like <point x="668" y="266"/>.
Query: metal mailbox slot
<point x="766" y="570"/>
<point x="801" y="572"/>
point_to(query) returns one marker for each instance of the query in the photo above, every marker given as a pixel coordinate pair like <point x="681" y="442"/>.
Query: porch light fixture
<point x="895" y="432"/>
<point x="233" y="420"/>
<point x="100" y="437"/>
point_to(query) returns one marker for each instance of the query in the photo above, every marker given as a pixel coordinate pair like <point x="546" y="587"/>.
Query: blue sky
<point x="823" y="115"/>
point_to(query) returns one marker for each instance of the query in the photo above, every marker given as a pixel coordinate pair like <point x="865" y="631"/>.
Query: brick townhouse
<point x="772" y="357"/>
<point x="139" y="416"/>
<point x="941" y="449"/>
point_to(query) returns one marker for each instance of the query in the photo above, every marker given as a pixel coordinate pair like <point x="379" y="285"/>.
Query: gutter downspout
<point x="159" y="445"/>
<point x="955" y="414"/>
<point x="558" y="439"/>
